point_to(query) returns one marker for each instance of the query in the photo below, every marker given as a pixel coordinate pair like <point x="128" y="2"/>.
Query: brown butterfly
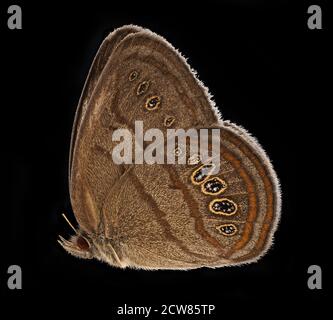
<point x="162" y="216"/>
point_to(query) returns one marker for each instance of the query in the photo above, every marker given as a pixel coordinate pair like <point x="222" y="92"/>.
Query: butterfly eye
<point x="168" y="121"/>
<point x="214" y="186"/>
<point x="200" y="175"/>
<point x="82" y="243"/>
<point x="227" y="229"/>
<point x="153" y="103"/>
<point x="224" y="206"/>
<point x="142" y="87"/>
<point x="133" y="75"/>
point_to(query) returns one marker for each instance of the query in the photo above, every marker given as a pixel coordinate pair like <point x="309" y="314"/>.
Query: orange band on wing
<point x="252" y="201"/>
<point x="270" y="200"/>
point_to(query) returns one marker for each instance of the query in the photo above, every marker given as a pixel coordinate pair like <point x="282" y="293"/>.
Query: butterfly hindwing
<point x="158" y="208"/>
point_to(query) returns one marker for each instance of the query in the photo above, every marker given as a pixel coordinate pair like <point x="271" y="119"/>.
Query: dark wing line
<point x="161" y="219"/>
<point x="195" y="213"/>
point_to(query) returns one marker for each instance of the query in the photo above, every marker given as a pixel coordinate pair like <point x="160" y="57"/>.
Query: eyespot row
<point x="152" y="102"/>
<point x="211" y="185"/>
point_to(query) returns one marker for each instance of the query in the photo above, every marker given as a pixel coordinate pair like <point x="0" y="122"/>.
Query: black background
<point x="267" y="71"/>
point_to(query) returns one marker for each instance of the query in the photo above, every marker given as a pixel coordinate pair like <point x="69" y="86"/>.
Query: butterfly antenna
<point x="69" y="222"/>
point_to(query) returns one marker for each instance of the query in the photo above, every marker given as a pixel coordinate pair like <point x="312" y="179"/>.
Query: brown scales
<point x="129" y="216"/>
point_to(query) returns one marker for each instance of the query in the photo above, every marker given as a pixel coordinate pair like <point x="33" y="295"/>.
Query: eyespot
<point x="227" y="229"/>
<point x="133" y="75"/>
<point x="194" y="159"/>
<point x="223" y="206"/>
<point x="152" y="103"/>
<point x="168" y="121"/>
<point x="142" y="87"/>
<point x="178" y="151"/>
<point x="214" y="186"/>
<point x="82" y="243"/>
<point x="200" y="175"/>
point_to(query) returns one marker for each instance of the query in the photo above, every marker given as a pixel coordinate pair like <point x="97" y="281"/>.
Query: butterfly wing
<point x="96" y="69"/>
<point x="83" y="197"/>
<point x="144" y="66"/>
<point x="154" y="216"/>
<point x="158" y="218"/>
<point x="136" y="75"/>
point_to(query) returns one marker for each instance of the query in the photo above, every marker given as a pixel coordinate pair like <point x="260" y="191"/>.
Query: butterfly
<point x="163" y="216"/>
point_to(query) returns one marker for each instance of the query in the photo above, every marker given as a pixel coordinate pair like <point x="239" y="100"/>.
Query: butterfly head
<point x="79" y="245"/>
